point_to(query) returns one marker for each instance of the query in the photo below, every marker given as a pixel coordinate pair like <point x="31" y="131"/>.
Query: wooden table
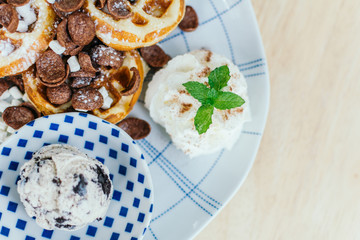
<point x="305" y="183"/>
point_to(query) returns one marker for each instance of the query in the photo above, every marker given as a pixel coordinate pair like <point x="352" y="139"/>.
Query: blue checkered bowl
<point x="130" y="209"/>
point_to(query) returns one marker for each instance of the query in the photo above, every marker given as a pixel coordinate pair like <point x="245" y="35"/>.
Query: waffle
<point x="27" y="46"/>
<point x="148" y="22"/>
<point x="122" y="104"/>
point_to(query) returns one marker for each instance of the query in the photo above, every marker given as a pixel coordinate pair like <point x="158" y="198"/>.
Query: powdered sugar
<point x="83" y="97"/>
<point x="6" y="48"/>
<point x="103" y="50"/>
<point x="120" y="5"/>
<point x="106" y="55"/>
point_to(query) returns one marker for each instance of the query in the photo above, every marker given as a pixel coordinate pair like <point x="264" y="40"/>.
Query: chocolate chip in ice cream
<point x="190" y="21"/>
<point x="102" y="179"/>
<point x="60" y="220"/>
<point x="56" y="181"/>
<point x="40" y="163"/>
<point x="66" y="226"/>
<point x="80" y="188"/>
<point x="9" y="17"/>
<point x="16" y="117"/>
<point x="135" y="127"/>
<point x="154" y="56"/>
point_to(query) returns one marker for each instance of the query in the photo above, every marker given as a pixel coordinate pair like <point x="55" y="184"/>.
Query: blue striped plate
<point x="189" y="193"/>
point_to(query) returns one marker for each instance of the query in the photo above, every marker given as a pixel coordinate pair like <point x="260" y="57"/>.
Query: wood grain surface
<point x="305" y="183"/>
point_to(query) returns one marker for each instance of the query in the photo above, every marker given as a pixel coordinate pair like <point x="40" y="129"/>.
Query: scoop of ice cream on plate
<point x="173" y="107"/>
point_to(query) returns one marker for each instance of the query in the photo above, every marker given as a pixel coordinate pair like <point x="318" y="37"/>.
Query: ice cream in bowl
<point x="74" y="176"/>
<point x="64" y="188"/>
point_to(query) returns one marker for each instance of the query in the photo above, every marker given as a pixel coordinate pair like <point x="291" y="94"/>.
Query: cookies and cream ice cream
<point x="174" y="108"/>
<point x="64" y="188"/>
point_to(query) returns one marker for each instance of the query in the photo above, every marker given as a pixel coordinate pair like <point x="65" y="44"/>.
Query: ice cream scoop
<point x="171" y="105"/>
<point x="64" y="188"/>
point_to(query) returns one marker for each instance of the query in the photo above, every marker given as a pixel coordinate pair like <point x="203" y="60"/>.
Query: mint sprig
<point x="198" y="90"/>
<point x="203" y="119"/>
<point x="228" y="100"/>
<point x="212" y="97"/>
<point x="219" y="77"/>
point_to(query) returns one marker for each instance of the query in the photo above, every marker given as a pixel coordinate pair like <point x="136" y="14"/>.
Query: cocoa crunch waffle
<point x="72" y="67"/>
<point x="80" y="73"/>
<point x="87" y="76"/>
<point x="130" y="24"/>
<point x="109" y="93"/>
<point x="26" y="28"/>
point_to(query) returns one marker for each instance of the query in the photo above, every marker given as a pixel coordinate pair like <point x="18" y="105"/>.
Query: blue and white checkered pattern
<point x="131" y="206"/>
<point x="190" y="192"/>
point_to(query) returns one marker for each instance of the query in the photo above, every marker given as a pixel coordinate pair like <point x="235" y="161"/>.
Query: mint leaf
<point x="211" y="96"/>
<point x="219" y="77"/>
<point x="203" y="118"/>
<point x="198" y="90"/>
<point x="228" y="100"/>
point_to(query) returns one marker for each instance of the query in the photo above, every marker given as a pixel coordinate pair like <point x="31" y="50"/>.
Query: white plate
<point x="132" y="202"/>
<point x="189" y="193"/>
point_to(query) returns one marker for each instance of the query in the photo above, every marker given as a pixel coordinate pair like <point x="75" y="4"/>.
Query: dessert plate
<point x="132" y="203"/>
<point x="190" y="192"/>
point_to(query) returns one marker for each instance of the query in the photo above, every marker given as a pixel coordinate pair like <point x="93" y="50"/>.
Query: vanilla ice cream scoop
<point x="174" y="108"/>
<point x="64" y="188"/>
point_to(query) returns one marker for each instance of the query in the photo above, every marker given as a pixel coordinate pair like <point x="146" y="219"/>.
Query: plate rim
<point x="266" y="108"/>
